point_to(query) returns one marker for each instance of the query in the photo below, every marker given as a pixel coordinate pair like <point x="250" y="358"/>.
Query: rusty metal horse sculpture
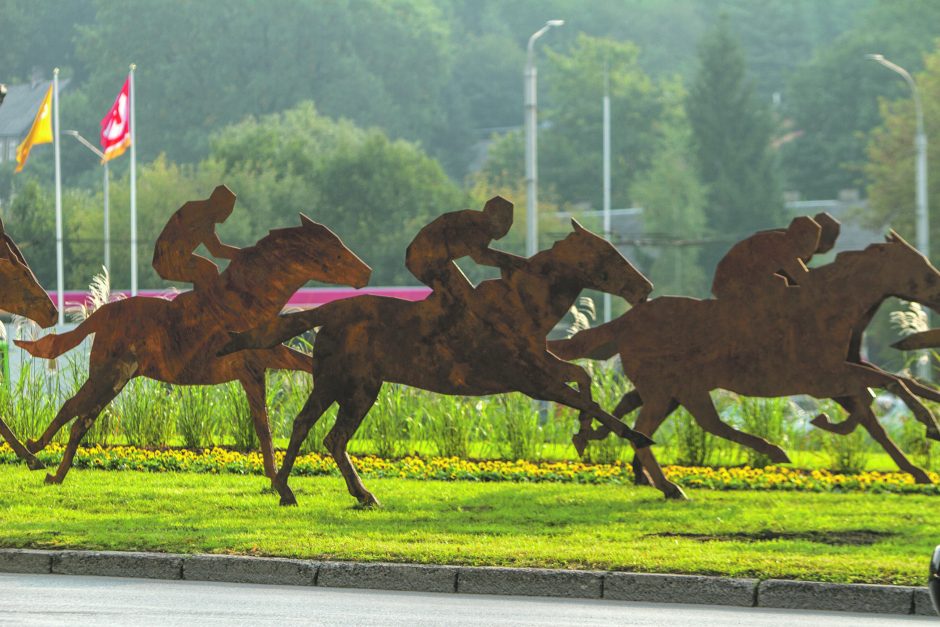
<point x="178" y="341"/>
<point x="450" y="348"/>
<point x="793" y="341"/>
<point x="24" y="296"/>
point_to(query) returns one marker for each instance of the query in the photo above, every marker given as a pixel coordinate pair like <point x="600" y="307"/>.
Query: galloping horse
<point x="799" y="341"/>
<point x="493" y="345"/>
<point x="24" y="296"/>
<point x="177" y="341"/>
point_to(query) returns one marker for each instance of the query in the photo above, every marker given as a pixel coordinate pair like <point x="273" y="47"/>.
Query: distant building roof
<point x="20" y="106"/>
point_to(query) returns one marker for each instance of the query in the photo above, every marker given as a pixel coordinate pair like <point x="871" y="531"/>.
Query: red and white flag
<point x="116" y="125"/>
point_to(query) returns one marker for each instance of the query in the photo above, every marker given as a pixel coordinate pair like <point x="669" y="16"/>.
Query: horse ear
<point x="305" y="221"/>
<point x="577" y="226"/>
<point x="893" y="236"/>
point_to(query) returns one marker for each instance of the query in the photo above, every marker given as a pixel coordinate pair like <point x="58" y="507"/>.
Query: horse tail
<point x="277" y="330"/>
<point x="286" y="358"/>
<point x="597" y="343"/>
<point x="55" y="344"/>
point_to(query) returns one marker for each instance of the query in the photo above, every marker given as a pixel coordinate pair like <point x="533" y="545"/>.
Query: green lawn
<point x="832" y="537"/>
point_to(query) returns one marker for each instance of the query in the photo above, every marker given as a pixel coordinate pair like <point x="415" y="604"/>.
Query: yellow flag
<point x="39" y="133"/>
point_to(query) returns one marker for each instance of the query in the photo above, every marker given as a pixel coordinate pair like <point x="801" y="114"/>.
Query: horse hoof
<point x="33" y="463"/>
<point x="674" y="493"/>
<point x="580" y="443"/>
<point x="287" y="498"/>
<point x="368" y="502"/>
<point x="51" y="479"/>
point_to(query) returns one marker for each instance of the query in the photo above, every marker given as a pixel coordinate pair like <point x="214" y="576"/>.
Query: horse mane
<point x="849" y="260"/>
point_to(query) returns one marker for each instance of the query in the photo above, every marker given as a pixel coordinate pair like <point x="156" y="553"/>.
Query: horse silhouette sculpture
<point x="24" y="296"/>
<point x="493" y="345"/>
<point x="177" y="341"/>
<point x="782" y="342"/>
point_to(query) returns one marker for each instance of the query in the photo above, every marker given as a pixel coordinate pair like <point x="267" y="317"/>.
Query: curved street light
<point x="107" y="226"/>
<point x="531" y="141"/>
<point x="920" y="143"/>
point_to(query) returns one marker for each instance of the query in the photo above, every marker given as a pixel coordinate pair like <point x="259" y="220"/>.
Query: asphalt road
<point x="61" y="599"/>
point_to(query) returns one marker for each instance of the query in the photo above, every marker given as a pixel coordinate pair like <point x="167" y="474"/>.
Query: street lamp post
<point x="920" y="143"/>
<point x="531" y="142"/>
<point x="105" y="186"/>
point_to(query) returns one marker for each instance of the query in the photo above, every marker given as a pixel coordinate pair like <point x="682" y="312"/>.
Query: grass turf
<point x="871" y="538"/>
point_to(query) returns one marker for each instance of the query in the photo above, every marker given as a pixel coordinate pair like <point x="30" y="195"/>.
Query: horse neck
<point x="855" y="289"/>
<point x="256" y="286"/>
<point x="546" y="293"/>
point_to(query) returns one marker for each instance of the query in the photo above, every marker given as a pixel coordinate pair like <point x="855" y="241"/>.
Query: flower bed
<point x="218" y="460"/>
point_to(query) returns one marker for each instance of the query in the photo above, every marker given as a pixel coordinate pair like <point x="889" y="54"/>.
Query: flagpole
<point x="60" y="280"/>
<point x="133" y="98"/>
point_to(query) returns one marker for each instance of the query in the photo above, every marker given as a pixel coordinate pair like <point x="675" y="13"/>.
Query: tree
<point x="832" y="101"/>
<point x="570" y="155"/>
<point x="673" y="201"/>
<point x="892" y="156"/>
<point x="731" y="135"/>
<point x="375" y="193"/>
<point x="30" y="221"/>
<point x="206" y="65"/>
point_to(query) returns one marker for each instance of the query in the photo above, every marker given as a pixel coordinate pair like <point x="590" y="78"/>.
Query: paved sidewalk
<point x="73" y="600"/>
<point x="614" y="586"/>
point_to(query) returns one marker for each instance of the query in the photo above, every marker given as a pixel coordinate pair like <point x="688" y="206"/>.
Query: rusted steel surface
<point x="770" y="339"/>
<point x="24" y="296"/>
<point x="461" y="340"/>
<point x="178" y="341"/>
<point x="915" y="341"/>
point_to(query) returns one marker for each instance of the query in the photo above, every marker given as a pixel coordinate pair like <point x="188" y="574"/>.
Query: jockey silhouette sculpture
<point x="461" y="340"/>
<point x="771" y="341"/>
<point x="177" y="341"/>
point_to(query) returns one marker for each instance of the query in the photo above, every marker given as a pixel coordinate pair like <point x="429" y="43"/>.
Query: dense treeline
<point x="368" y="115"/>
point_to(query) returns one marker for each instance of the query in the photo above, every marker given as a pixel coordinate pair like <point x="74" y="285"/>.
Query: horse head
<point x="22" y="293"/>
<point x="909" y="274"/>
<point x="309" y="252"/>
<point x="598" y="265"/>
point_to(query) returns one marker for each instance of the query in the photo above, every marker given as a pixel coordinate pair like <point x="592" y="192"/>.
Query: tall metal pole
<point x="105" y="188"/>
<point x="531" y="142"/>
<point x="607" y="233"/>
<point x="59" y="270"/>
<point x="921" y="211"/>
<point x="133" y="98"/>
<point x="107" y="219"/>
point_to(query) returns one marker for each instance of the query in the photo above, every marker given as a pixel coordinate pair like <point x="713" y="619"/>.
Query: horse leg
<point x="254" y="387"/>
<point x="845" y="427"/>
<point x="705" y="414"/>
<point x="351" y="412"/>
<point x="546" y="381"/>
<point x="653" y="413"/>
<point x="317" y="403"/>
<point x="630" y="401"/>
<point x="649" y="425"/>
<point x="923" y="415"/>
<point x="103" y="383"/>
<point x="21" y="451"/>
<point x="905" y="388"/>
<point x="90" y="401"/>
<point x="860" y="411"/>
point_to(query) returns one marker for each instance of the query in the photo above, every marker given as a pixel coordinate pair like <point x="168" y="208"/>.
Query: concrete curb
<point x="640" y="587"/>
